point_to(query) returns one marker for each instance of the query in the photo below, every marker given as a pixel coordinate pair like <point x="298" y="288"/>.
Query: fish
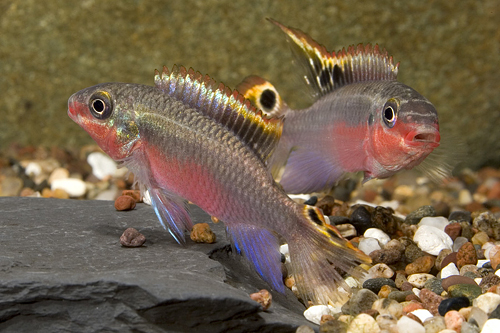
<point x="362" y="119"/>
<point x="189" y="139"/>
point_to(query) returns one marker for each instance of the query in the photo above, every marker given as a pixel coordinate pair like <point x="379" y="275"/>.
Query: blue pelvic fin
<point x="172" y="213"/>
<point x="261" y="248"/>
<point x="307" y="171"/>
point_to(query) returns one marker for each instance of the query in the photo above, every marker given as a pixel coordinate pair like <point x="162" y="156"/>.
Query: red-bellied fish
<point x="362" y="118"/>
<point x="188" y="138"/>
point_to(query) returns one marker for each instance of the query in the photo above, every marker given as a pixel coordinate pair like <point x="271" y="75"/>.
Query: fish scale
<point x="197" y="141"/>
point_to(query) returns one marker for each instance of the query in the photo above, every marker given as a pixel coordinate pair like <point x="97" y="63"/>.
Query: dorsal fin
<point x="227" y="107"/>
<point x="325" y="71"/>
<point x="263" y="95"/>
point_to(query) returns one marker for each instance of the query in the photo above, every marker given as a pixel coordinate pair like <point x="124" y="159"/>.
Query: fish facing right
<point x="362" y="119"/>
<point x="190" y="139"/>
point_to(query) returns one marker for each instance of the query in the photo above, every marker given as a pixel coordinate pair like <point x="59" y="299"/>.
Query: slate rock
<point x="454" y="303"/>
<point x="63" y="270"/>
<point x="377" y="283"/>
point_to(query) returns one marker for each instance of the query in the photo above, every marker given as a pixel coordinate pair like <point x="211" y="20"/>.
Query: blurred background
<point x="449" y="51"/>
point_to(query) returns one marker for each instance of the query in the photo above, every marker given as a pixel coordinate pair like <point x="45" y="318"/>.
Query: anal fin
<point x="261" y="248"/>
<point x="172" y="213"/>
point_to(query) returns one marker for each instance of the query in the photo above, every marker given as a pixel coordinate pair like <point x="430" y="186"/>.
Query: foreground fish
<point x="362" y="118"/>
<point x="191" y="139"/>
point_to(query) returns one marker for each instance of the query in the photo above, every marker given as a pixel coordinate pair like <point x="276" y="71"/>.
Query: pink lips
<point x="426" y="136"/>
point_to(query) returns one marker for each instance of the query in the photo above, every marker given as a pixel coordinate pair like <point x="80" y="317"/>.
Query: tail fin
<point x="317" y="254"/>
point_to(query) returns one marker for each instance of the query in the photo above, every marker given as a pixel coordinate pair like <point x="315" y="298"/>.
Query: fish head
<point x="110" y="123"/>
<point x="404" y="131"/>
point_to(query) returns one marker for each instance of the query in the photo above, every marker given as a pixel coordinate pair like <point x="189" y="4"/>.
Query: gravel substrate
<point x="435" y="247"/>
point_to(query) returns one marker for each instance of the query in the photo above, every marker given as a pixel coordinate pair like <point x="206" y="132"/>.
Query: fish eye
<point x="390" y="113"/>
<point x="268" y="99"/>
<point x="100" y="105"/>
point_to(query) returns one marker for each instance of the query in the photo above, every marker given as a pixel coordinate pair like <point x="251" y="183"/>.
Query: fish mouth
<point x="428" y="137"/>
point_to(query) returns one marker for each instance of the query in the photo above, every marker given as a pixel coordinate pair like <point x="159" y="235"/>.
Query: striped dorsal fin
<point x="325" y="71"/>
<point x="226" y="107"/>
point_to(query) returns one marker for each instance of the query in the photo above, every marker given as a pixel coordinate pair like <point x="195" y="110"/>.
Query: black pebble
<point x="311" y="201"/>
<point x="361" y="219"/>
<point x="336" y="220"/>
<point x="377" y="283"/>
<point x="460" y="216"/>
<point x="455" y="303"/>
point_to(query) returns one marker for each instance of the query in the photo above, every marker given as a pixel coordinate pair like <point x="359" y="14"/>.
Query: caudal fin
<point x="319" y="255"/>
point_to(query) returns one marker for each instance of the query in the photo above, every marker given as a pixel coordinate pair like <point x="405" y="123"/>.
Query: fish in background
<point x="362" y="118"/>
<point x="188" y="138"/>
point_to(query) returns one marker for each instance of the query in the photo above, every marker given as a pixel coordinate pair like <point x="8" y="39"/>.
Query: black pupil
<point x="98" y="106"/>
<point x="268" y="99"/>
<point x="389" y="114"/>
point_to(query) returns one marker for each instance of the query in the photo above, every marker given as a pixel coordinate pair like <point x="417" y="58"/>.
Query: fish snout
<point x="427" y="136"/>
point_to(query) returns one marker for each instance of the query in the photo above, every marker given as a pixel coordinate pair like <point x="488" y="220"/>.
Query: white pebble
<point x="380" y="271"/>
<point x="457" y="244"/>
<point x="478" y="280"/>
<point x="418" y="280"/>
<point x="314" y="313"/>
<point x="464" y="197"/>
<point x="487" y="302"/>
<point x="73" y="186"/>
<point x="352" y="282"/>
<point x="394" y="204"/>
<point x="481" y="262"/>
<point x="491" y="326"/>
<point x="422" y="314"/>
<point x="378" y="234"/>
<point x="408" y="325"/>
<point x="368" y="245"/>
<point x="304" y="197"/>
<point x="486" y="248"/>
<point x="102" y="165"/>
<point x="285" y="252"/>
<point x="449" y="270"/>
<point x="439" y="222"/>
<point x="432" y="240"/>
<point x="363" y="323"/>
<point x="497" y="273"/>
<point x="109" y="195"/>
<point x="146" y="198"/>
<point x="33" y="169"/>
<point x="416" y="291"/>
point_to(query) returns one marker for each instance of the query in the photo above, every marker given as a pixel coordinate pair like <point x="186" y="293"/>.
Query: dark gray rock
<point x="421" y="212"/>
<point x="376" y="284"/>
<point x="360" y="301"/>
<point x="434" y="285"/>
<point x="62" y="269"/>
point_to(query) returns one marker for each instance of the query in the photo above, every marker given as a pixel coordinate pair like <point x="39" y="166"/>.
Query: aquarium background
<point x="449" y="51"/>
